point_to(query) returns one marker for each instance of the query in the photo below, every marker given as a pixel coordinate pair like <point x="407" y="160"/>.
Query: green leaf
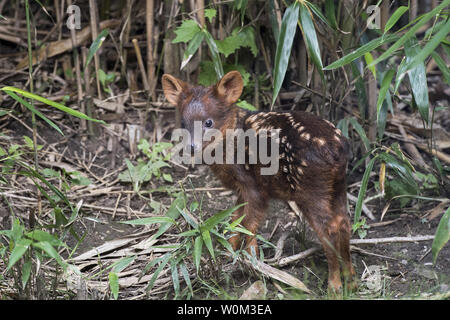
<point x="96" y="45"/>
<point x="197" y="254"/>
<point x="210" y="14"/>
<point x="362" y="134"/>
<point x="34" y="110"/>
<point x="120" y="265"/>
<point x="318" y="13"/>
<point x="369" y="58"/>
<point x="245" y="105"/>
<point x="442" y="235"/>
<point x="330" y="13"/>
<point x="240" y="37"/>
<point x="206" y="236"/>
<point x="218" y="217"/>
<point x="114" y="284"/>
<point x="187" y="31"/>
<point x="412" y="31"/>
<point x="420" y="56"/>
<point x="417" y="77"/>
<point x="214" y="54"/>
<point x="284" y="46"/>
<point x="173" y="213"/>
<point x="387" y="79"/>
<point x="19" y="250"/>
<point x="49" y="249"/>
<point x="310" y="36"/>
<point x="164" y="260"/>
<point x="149" y="220"/>
<point x="362" y="189"/>
<point x="52" y="103"/>
<point x="26" y="272"/>
<point x="394" y="18"/>
<point x="175" y="279"/>
<point x="192" y="48"/>
<point x="186" y="277"/>
<point x="442" y="66"/>
<point x="371" y="45"/>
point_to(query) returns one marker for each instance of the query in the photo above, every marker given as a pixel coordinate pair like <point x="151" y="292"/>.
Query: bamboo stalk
<point x="141" y="64"/>
<point x="93" y="10"/>
<point x="149" y="18"/>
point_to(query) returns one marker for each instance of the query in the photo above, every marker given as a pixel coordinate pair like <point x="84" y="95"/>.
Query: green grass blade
<point x="411" y="32"/>
<point x="417" y="77"/>
<point x="175" y="279"/>
<point x="96" y="45"/>
<point x="218" y="217"/>
<point x="164" y="260"/>
<point x="186" y="277"/>
<point x="113" y="280"/>
<point x="442" y="235"/>
<point x="369" y="46"/>
<point x="394" y="18"/>
<point x="149" y="220"/>
<point x="442" y="66"/>
<point x="362" y="190"/>
<point x="206" y="236"/>
<point x="284" y="46"/>
<point x="173" y="212"/>
<point x="331" y="13"/>
<point x="385" y="83"/>
<point x="310" y="36"/>
<point x="51" y="103"/>
<point x="34" y="110"/>
<point x="362" y="134"/>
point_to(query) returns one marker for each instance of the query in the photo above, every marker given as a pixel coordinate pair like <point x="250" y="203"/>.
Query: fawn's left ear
<point x="172" y="88"/>
<point x="230" y="87"/>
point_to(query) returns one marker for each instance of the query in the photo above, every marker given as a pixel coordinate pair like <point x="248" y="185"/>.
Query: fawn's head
<point x="211" y="106"/>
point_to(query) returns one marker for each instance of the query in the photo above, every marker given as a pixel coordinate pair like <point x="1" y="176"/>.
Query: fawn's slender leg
<point x="326" y="225"/>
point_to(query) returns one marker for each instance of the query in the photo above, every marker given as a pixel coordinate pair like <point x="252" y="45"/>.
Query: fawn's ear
<point x="230" y="87"/>
<point x="172" y="88"/>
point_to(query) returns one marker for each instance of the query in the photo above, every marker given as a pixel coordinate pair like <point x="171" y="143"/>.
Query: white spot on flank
<point x="305" y="135"/>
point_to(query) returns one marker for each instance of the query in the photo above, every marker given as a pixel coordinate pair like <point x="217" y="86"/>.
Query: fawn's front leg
<point x="254" y="212"/>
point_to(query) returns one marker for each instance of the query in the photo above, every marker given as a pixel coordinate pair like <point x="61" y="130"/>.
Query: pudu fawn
<point x="312" y="164"/>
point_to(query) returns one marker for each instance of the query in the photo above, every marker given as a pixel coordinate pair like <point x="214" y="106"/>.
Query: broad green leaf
<point x="26" y="272"/>
<point x="114" y="284"/>
<point x="310" y="36"/>
<point x="442" y="235"/>
<point x="192" y="48"/>
<point x="417" y="77"/>
<point x="362" y="190"/>
<point x="369" y="58"/>
<point x="442" y="66"/>
<point x="49" y="249"/>
<point x="40" y="235"/>
<point x="96" y="45"/>
<point x="187" y="31"/>
<point x="149" y="220"/>
<point x="51" y="103"/>
<point x="173" y="213"/>
<point x="210" y="14"/>
<point x="186" y="277"/>
<point x="34" y="110"/>
<point x="412" y="31"/>
<point x="19" y="250"/>
<point x="206" y="236"/>
<point x="175" y="279"/>
<point x="197" y="254"/>
<point x="318" y="13"/>
<point x="214" y="54"/>
<point x="394" y="18"/>
<point x="371" y="45"/>
<point x="284" y="46"/>
<point x="240" y="37"/>
<point x="164" y="260"/>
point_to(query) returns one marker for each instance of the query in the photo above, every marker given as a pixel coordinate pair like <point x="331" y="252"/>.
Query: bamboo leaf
<point x="214" y="54"/>
<point x="51" y="103"/>
<point x="284" y="46"/>
<point x="331" y="13"/>
<point x="149" y="220"/>
<point x="442" y="235"/>
<point x="394" y="18"/>
<point x="387" y="79"/>
<point x="206" y="236"/>
<point x="369" y="46"/>
<point x="411" y="32"/>
<point x="192" y="48"/>
<point x="417" y="77"/>
<point x="34" y="110"/>
<point x="359" y="129"/>
<point x="218" y="217"/>
<point x="442" y="66"/>
<point x="114" y="284"/>
<point x="19" y="250"/>
<point x="197" y="254"/>
<point x="96" y="45"/>
<point x="362" y="189"/>
<point x="310" y="36"/>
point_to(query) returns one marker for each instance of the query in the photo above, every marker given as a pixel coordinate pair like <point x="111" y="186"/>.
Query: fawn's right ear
<point x="172" y="88"/>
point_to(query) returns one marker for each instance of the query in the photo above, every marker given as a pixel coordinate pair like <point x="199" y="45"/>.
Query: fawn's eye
<point x="209" y="123"/>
